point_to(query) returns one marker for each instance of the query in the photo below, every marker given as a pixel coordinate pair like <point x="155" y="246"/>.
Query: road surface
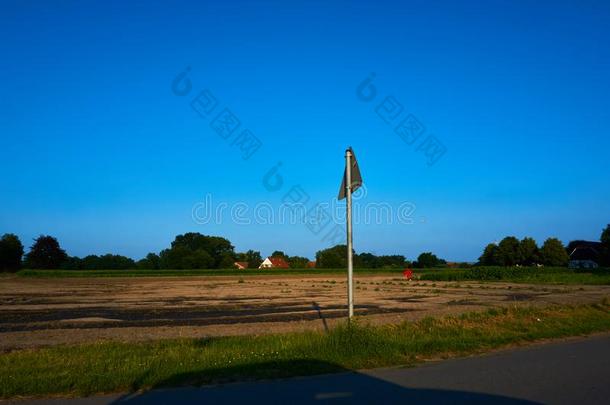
<point x="568" y="372"/>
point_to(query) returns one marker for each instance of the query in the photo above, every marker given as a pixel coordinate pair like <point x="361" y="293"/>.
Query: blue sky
<point x="98" y="151"/>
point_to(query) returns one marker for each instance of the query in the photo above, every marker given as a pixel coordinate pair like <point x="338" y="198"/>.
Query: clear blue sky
<point x="98" y="151"/>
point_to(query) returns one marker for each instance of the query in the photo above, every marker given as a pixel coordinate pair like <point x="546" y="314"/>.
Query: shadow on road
<point x="344" y="386"/>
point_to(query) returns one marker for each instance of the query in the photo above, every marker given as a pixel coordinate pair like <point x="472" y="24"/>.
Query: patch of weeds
<point x="461" y="302"/>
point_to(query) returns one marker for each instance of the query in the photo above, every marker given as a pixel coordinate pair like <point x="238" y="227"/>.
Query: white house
<point x="274" y="262"/>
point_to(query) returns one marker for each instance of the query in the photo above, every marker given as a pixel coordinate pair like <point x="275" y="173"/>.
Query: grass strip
<point x="531" y="275"/>
<point x="113" y="366"/>
<point x="195" y="272"/>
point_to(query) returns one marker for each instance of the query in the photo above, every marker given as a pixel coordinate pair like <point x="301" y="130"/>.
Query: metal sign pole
<point x="350" y="269"/>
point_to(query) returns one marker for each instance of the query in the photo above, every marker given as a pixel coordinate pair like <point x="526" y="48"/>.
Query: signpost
<point x="351" y="181"/>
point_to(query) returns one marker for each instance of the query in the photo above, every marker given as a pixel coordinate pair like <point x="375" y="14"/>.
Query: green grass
<point x="110" y="367"/>
<point x="195" y="272"/>
<point x="550" y="275"/>
<point x="542" y="275"/>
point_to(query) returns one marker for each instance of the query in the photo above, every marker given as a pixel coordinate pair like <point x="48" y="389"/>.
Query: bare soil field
<point x="41" y="312"/>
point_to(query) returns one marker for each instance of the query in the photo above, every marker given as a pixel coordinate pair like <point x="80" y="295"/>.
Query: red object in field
<point x="408" y="274"/>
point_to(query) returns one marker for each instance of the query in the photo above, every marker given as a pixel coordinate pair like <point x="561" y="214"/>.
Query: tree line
<point x="193" y="250"/>
<point x="336" y="257"/>
<point x="525" y="252"/>
<point x="188" y="251"/>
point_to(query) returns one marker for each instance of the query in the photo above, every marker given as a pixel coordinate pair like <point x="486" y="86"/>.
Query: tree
<point x="279" y="253"/>
<point x="104" y="262"/>
<point x="179" y="257"/>
<point x="150" y="262"/>
<point x="427" y="260"/>
<point x="528" y="252"/>
<point x="297" y="262"/>
<point x="553" y="253"/>
<point x="366" y="261"/>
<point x="391" y="261"/>
<point x="508" y="251"/>
<point x="371" y="261"/>
<point x="173" y="258"/>
<point x="489" y="256"/>
<point x="605" y="240"/>
<point x="227" y="261"/>
<point x="200" y="259"/>
<point x="90" y="262"/>
<point x="194" y="250"/>
<point x="45" y="253"/>
<point x="72" y="263"/>
<point x="253" y="258"/>
<point x="605" y="236"/>
<point x="115" y="262"/>
<point x="11" y="251"/>
<point x="334" y="257"/>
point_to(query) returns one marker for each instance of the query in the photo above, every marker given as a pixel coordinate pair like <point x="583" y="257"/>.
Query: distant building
<point x="241" y="265"/>
<point x="584" y="254"/>
<point x="311" y="265"/>
<point x="274" y="262"/>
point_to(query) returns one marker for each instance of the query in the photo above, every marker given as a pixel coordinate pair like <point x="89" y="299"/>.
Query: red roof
<point x="279" y="262"/>
<point x="241" y="265"/>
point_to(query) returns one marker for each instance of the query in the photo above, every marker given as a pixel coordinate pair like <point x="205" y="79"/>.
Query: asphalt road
<point x="556" y="373"/>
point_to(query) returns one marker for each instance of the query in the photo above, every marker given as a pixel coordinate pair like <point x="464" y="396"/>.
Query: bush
<point x="491" y="273"/>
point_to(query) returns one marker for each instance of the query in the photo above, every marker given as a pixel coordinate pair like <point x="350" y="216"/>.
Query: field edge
<point x="109" y="367"/>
